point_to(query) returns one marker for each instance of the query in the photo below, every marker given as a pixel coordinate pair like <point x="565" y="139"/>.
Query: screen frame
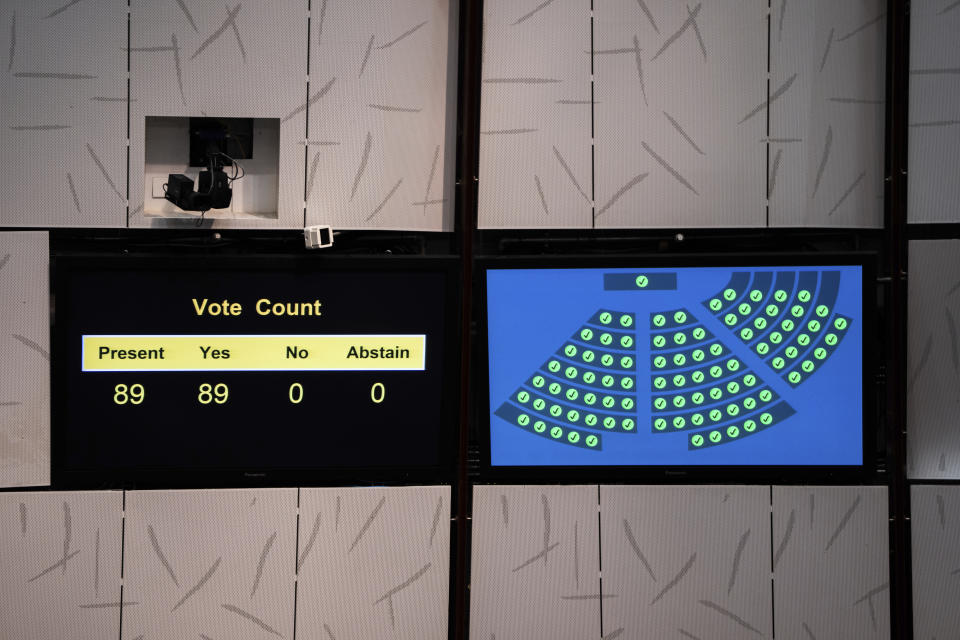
<point x="871" y="455"/>
<point x="226" y="476"/>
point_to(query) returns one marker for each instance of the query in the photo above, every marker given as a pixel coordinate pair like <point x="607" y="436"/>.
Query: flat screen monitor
<point x="222" y="371"/>
<point x="677" y="363"/>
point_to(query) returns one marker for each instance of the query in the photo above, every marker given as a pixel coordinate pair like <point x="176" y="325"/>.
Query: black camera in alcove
<point x="214" y="144"/>
<point x="213" y="188"/>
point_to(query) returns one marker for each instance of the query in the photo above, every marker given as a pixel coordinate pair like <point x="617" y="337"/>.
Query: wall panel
<point x="25" y="352"/>
<point x="935" y="529"/>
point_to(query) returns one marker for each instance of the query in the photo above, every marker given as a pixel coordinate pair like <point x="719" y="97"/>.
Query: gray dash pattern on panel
<point x="737" y="556"/>
<point x="236" y="33"/>
<point x="63" y="8"/>
<point x="663" y="163"/>
<point x="935" y="72"/>
<point x="782" y="89"/>
<point x="366" y="56"/>
<point x="609" y="52"/>
<point x="323" y="16"/>
<point x="9" y="403"/>
<point x="824" y="157"/>
<point x="546" y="526"/>
<point x="312" y="175"/>
<point x="186" y="12"/>
<point x="942" y="466"/>
<point x="252" y="618"/>
<point x="505" y="510"/>
<point x="576" y="102"/>
<point x="924" y="357"/>
<point x="56" y="565"/>
<point x="495" y="132"/>
<point x="842" y="100"/>
<point x="160" y="555"/>
<point x="543" y="199"/>
<point x="40" y="127"/>
<point x="941" y="512"/>
<point x="812" y="506"/>
<point x="4" y="260"/>
<point x="843" y="522"/>
<point x="729" y="614"/>
<point x="779" y="140"/>
<point x="613" y="634"/>
<point x="865" y="25"/>
<point x="109" y="605"/>
<point x="433" y="172"/>
<point x="405" y="34"/>
<point x="262" y="563"/>
<point x="311" y="101"/>
<point x="676" y="125"/>
<point x="32" y="345"/>
<point x="383" y="500"/>
<point x="687" y="634"/>
<point x="103" y="171"/>
<point x="310" y="542"/>
<point x="325" y="626"/>
<point x="54" y="75"/>
<point x="949" y="7"/>
<point x="847" y="193"/>
<point x="807" y="630"/>
<point x="634" y="181"/>
<point x="646" y="12"/>
<point x="179" y="69"/>
<point x="526" y="16"/>
<point x="952" y="330"/>
<point x="67" y="534"/>
<point x="774" y="172"/>
<point x="96" y="565"/>
<point x="406" y="583"/>
<point x="696" y="32"/>
<point x="13" y="41"/>
<point x="691" y="18"/>
<point x="569" y="172"/>
<point x="676" y="580"/>
<point x="388" y="107"/>
<point x="231" y="16"/>
<point x="936" y="123"/>
<point x="336" y="516"/>
<point x="591" y="596"/>
<point x="23" y="520"/>
<point x="872" y="592"/>
<point x="826" y="51"/>
<point x="636" y="548"/>
<point x="436" y="519"/>
<point x="783" y="14"/>
<point x="384" y="203"/>
<point x="786" y="538"/>
<point x="542" y="554"/>
<point x="639" y="61"/>
<point x="576" y="554"/>
<point x="157" y="49"/>
<point x="204" y="636"/>
<point x="367" y="145"/>
<point x="73" y="192"/>
<point x="203" y="580"/>
<point x="521" y="80"/>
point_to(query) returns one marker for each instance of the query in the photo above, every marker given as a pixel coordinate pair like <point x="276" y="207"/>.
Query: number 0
<point x="378" y="392"/>
<point x="296" y="393"/>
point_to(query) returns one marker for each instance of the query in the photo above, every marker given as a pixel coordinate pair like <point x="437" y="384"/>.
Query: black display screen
<point x="173" y="371"/>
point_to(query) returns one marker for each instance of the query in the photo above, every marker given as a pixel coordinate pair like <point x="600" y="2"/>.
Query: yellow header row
<point x="254" y="353"/>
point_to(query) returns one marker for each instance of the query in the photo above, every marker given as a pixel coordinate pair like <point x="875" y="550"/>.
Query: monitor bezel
<point x="871" y="457"/>
<point x="227" y="476"/>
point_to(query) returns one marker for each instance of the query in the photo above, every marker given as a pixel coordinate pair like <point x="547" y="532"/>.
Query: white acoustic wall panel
<point x="535" y="138"/>
<point x="25" y="353"/>
<point x="686" y="561"/>
<point x="827" y="92"/>
<point x="934" y="139"/>
<point x="933" y="359"/>
<point x="63" y="113"/>
<point x="831" y="562"/>
<point x="382" y="135"/>
<point x="535" y="571"/>
<point x="61" y="555"/>
<point x="217" y="564"/>
<point x="935" y="530"/>
<point x="374" y="563"/>
<point x="680" y="90"/>
<point x="243" y="59"/>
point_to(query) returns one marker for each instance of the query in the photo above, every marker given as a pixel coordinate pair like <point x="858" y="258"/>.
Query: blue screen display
<point x="676" y="367"/>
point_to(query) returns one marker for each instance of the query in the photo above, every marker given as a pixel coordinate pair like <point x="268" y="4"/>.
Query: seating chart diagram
<point x="675" y="367"/>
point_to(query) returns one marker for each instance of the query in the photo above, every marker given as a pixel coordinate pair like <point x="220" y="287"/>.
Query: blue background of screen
<point x="532" y="312"/>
